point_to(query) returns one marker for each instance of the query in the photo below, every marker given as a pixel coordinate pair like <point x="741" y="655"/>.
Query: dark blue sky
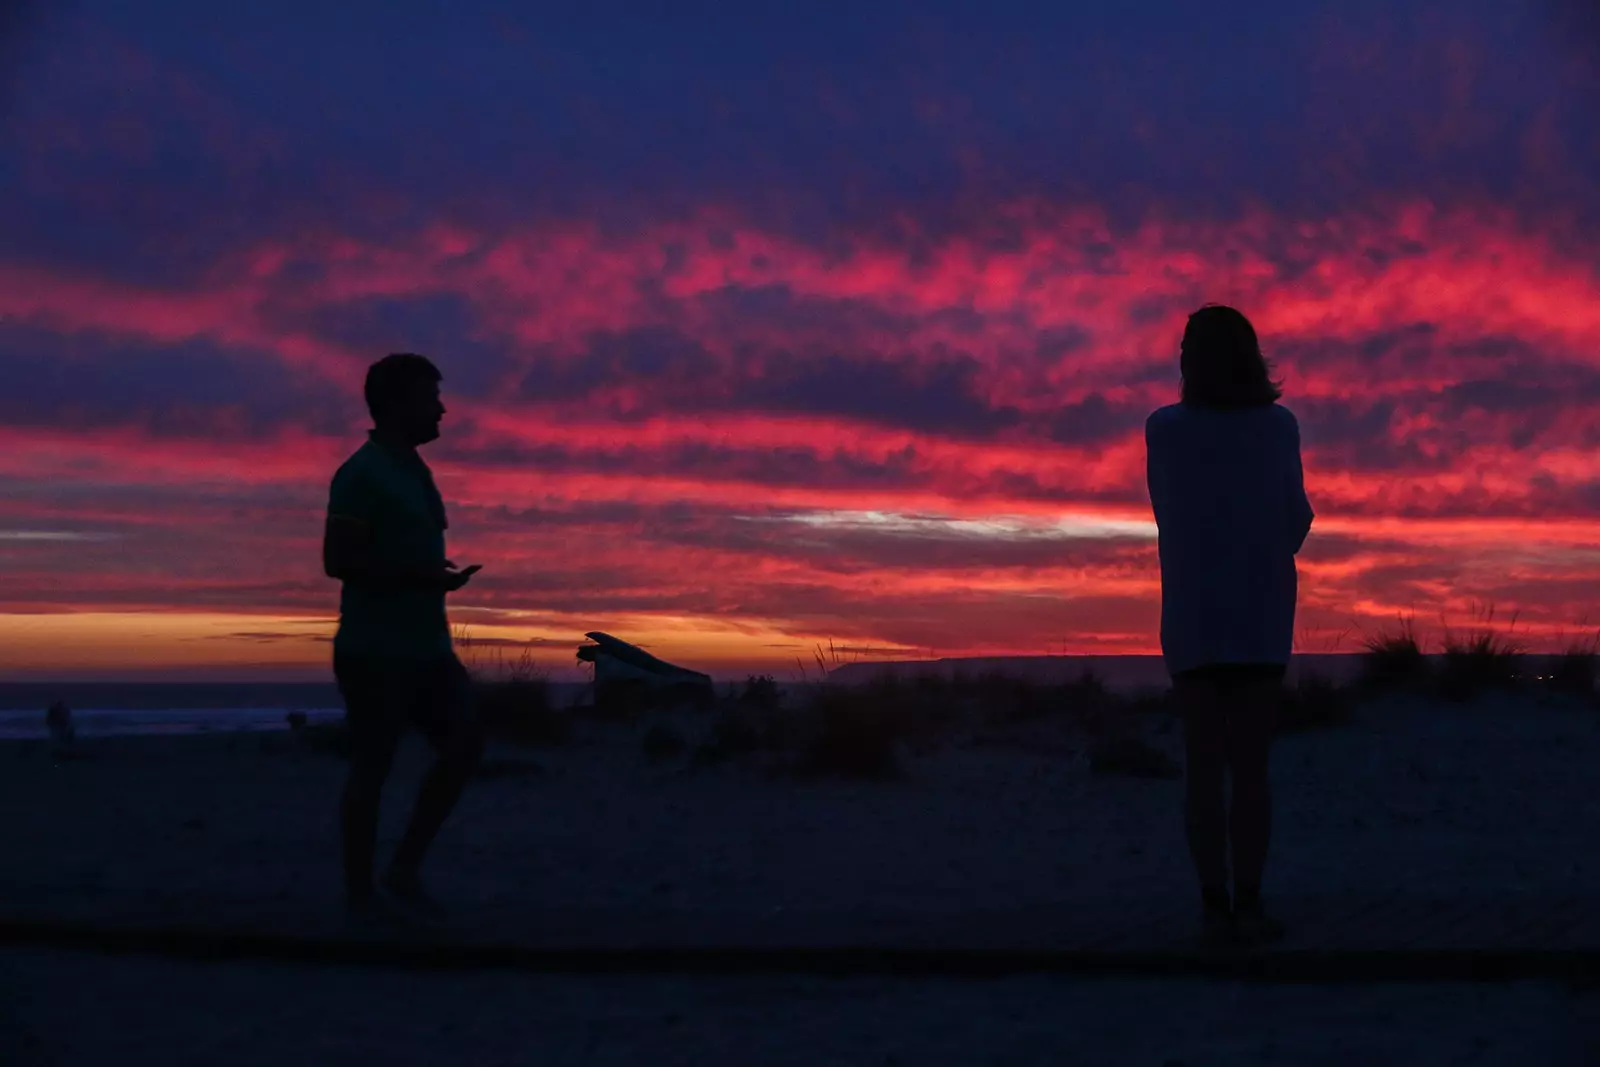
<point x="203" y="122"/>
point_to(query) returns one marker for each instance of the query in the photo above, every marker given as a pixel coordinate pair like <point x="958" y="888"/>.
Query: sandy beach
<point x="1433" y="799"/>
<point x="1489" y="800"/>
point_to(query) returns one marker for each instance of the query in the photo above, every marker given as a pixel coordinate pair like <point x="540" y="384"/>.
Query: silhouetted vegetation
<point x="865" y="731"/>
<point x="1480" y="660"/>
<point x="1393" y="659"/>
<point x="520" y="711"/>
<point x="1572" y="672"/>
<point x="857" y="733"/>
<point x="759" y="691"/>
<point x="737" y="730"/>
<point x="1012" y="701"/>
<point x="512" y="696"/>
<point x="1313" y="703"/>
<point x="516" y="705"/>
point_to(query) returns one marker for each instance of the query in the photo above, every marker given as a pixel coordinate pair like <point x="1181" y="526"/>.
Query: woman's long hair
<point x="1222" y="364"/>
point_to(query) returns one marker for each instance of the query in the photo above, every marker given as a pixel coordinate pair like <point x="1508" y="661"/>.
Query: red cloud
<point x="1444" y="363"/>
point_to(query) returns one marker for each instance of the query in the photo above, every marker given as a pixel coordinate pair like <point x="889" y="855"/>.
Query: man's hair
<point x="393" y="376"/>
<point x="1221" y="361"/>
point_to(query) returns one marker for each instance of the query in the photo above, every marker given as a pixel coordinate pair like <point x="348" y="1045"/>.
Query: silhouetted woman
<point x="1229" y="498"/>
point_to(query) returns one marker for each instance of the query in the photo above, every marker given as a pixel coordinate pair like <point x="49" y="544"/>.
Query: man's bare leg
<point x="436" y="799"/>
<point x="374" y="726"/>
<point x="359" y="818"/>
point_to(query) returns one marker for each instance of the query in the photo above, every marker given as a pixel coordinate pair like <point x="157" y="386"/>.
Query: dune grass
<point x="866" y="731"/>
<point x="1480" y="659"/>
<point x="1393" y="658"/>
<point x="1572" y="671"/>
<point x="1314" y="703"/>
<point x="513" y="699"/>
<point x="857" y="734"/>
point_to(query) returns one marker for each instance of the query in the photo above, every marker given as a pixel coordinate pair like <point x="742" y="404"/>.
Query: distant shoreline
<point x="160" y="696"/>
<point x="1119" y="672"/>
<point x="1128" y="674"/>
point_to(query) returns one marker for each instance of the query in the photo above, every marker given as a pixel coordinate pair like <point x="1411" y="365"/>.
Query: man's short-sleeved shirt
<point x="390" y="490"/>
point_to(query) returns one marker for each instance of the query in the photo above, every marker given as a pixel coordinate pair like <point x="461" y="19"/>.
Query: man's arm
<point x="347" y="556"/>
<point x="347" y="545"/>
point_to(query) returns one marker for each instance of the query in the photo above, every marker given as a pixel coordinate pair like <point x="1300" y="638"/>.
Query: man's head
<point x="403" y="395"/>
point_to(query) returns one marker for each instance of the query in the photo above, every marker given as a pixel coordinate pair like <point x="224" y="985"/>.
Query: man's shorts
<point x="383" y="696"/>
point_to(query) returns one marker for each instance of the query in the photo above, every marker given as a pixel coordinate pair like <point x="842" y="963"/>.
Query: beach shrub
<point x="736" y="730"/>
<point x="1479" y="660"/>
<point x="852" y="737"/>
<point x="519" y="710"/>
<point x="627" y="701"/>
<point x="1572" y="672"/>
<point x="1013" y="700"/>
<point x="1002" y="702"/>
<point x="759" y="692"/>
<point x="1313" y="703"/>
<point x="919" y="715"/>
<point x="1393" y="659"/>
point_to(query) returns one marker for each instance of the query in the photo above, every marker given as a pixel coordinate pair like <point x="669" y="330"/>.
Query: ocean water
<point x="19" y="725"/>
<point x="108" y="709"/>
<point x="102" y="709"/>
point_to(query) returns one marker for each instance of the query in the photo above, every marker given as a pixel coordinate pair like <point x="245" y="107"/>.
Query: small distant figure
<point x="1228" y="492"/>
<point x="392" y="655"/>
<point x="63" y="736"/>
<point x="296" y="720"/>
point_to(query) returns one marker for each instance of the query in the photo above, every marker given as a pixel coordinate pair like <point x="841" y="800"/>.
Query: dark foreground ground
<point x="1409" y="833"/>
<point x="64" y="1008"/>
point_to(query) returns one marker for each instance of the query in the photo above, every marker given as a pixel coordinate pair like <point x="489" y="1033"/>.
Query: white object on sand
<point x="619" y="665"/>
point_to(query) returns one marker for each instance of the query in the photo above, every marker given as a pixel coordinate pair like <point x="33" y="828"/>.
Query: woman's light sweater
<point x="1230" y="504"/>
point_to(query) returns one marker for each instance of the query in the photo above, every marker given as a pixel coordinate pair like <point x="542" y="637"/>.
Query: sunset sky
<point x="768" y="324"/>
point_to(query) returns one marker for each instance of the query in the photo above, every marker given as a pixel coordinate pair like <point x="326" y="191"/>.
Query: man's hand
<point x="454" y="579"/>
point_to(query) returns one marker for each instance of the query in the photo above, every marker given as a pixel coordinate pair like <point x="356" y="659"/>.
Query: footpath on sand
<point x="1331" y="939"/>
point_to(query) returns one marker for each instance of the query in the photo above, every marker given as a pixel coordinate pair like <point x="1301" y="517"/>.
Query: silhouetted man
<point x="392" y="655"/>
